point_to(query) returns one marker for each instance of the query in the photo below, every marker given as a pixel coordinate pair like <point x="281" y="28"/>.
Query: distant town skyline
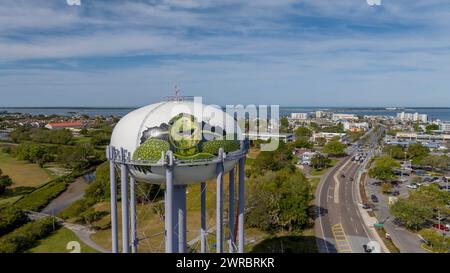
<point x="310" y="53"/>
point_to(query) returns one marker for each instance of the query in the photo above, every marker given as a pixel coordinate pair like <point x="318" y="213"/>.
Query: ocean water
<point x="433" y="113"/>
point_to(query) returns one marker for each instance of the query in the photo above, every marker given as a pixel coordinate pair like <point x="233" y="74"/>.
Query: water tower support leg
<point x="241" y="205"/>
<point x="133" y="215"/>
<point x="125" y="216"/>
<point x="180" y="210"/>
<point x="113" y="200"/>
<point x="219" y="205"/>
<point x="203" y="217"/>
<point x="169" y="205"/>
<point x="231" y="212"/>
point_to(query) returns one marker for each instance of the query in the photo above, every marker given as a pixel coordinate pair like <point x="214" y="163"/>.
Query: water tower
<point x="177" y="142"/>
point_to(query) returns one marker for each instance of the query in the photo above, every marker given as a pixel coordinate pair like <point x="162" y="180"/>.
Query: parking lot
<point x="404" y="239"/>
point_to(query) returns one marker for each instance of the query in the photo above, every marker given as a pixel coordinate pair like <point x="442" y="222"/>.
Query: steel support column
<point x="203" y="217"/>
<point x="180" y="214"/>
<point x="113" y="199"/>
<point x="241" y="205"/>
<point x="124" y="195"/>
<point x="219" y="204"/>
<point x="169" y="204"/>
<point x="231" y="211"/>
<point x="133" y="230"/>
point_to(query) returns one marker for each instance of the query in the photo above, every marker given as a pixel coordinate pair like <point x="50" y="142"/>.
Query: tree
<point x="303" y="132"/>
<point x="80" y="157"/>
<point x="439" y="243"/>
<point x="386" y="187"/>
<point x="5" y="181"/>
<point x="412" y="213"/>
<point x="284" y="125"/>
<point x="395" y="151"/>
<point x="321" y="141"/>
<point x="20" y="134"/>
<point x="274" y="160"/>
<point x="417" y="152"/>
<point x="278" y="201"/>
<point x="436" y="161"/>
<point x="432" y="127"/>
<point x="320" y="161"/>
<point x="384" y="168"/>
<point x="303" y="143"/>
<point x="334" y="147"/>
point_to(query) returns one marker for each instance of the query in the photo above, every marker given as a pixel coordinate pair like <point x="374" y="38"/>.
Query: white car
<point x="412" y="186"/>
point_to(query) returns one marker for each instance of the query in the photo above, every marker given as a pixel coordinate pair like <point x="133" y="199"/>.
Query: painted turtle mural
<point x="186" y="137"/>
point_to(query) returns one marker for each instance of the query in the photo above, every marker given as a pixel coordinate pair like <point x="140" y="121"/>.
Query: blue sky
<point x="286" y="52"/>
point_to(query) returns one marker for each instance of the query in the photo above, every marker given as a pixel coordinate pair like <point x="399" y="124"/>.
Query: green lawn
<point x="57" y="243"/>
<point x="22" y="173"/>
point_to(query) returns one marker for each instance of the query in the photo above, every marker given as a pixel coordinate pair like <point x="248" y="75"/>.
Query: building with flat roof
<point x="64" y="125"/>
<point x="344" y="117"/>
<point x="299" y="116"/>
<point x="445" y="127"/>
<point x="412" y="117"/>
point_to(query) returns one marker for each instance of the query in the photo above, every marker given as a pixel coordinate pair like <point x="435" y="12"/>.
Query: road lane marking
<point x="342" y="243"/>
<point x="336" y="181"/>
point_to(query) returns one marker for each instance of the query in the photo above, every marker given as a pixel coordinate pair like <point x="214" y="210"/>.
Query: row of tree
<point x="41" y="135"/>
<point x="278" y="193"/>
<point x="78" y="157"/>
<point x="5" y="181"/>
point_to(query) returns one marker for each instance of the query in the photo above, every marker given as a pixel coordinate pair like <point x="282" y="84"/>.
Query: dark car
<point x="367" y="249"/>
<point x="374" y="198"/>
<point x="395" y="193"/>
<point x="366" y="206"/>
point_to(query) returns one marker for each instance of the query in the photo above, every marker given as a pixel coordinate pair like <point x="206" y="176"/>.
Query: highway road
<point x="340" y="227"/>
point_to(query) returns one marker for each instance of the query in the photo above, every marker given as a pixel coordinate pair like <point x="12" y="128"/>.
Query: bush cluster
<point x="26" y="236"/>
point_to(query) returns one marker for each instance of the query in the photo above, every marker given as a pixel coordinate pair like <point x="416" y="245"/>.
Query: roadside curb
<point x="369" y="221"/>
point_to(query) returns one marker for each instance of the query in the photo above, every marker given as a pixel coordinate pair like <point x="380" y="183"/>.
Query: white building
<point x="355" y="125"/>
<point x="299" y="116"/>
<point x="319" y="114"/>
<point x="344" y="116"/>
<point x="445" y="127"/>
<point x="412" y="117"/>
<point x="327" y="136"/>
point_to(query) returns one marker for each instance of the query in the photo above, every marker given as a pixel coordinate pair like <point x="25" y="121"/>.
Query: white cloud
<point x="73" y="2"/>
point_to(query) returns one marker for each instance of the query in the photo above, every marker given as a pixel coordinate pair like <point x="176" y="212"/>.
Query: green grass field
<point x="57" y="243"/>
<point x="22" y="173"/>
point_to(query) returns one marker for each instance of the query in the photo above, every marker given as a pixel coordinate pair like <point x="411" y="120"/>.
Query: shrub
<point x="196" y="156"/>
<point x="26" y="236"/>
<point x="11" y="218"/>
<point x="76" y="208"/>
<point x="151" y="149"/>
<point x="40" y="198"/>
<point x="213" y="146"/>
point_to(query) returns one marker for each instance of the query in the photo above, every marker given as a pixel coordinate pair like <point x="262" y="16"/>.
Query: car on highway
<point x="374" y="198"/>
<point x="441" y="227"/>
<point x="412" y="186"/>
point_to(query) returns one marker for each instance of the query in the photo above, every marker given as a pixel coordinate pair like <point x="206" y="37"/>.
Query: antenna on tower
<point x="177" y="92"/>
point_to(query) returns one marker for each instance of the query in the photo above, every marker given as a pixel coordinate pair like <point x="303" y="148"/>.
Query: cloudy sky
<point x="287" y="52"/>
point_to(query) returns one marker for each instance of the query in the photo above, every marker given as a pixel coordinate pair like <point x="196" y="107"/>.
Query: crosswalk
<point x="342" y="243"/>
